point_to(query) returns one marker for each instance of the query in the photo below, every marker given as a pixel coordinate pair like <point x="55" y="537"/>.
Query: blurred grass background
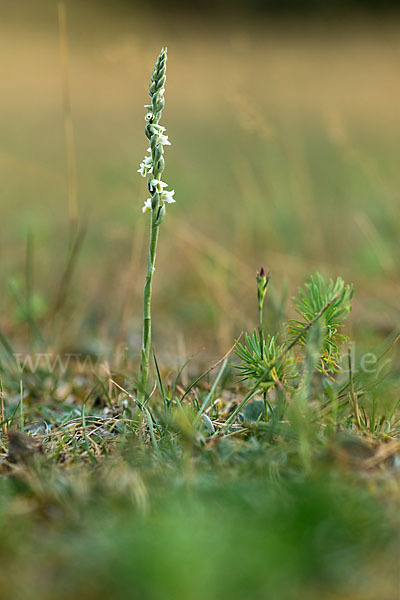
<point x="285" y="153"/>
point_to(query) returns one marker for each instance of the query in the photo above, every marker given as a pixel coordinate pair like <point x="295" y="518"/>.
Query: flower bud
<point x="262" y="283"/>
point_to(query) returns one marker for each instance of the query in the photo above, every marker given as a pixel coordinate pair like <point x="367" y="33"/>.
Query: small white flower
<point x="148" y="116"/>
<point x="156" y="128"/>
<point x="146" y="166"/>
<point x="156" y="185"/>
<point x="159" y="131"/>
<point x="163" y="139"/>
<point x="168" y="197"/>
<point x="147" y="205"/>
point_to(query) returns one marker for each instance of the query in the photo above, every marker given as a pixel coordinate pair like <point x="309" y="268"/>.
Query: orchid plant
<point x="152" y="167"/>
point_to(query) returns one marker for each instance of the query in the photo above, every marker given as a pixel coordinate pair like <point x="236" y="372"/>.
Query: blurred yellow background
<point x="285" y="153"/>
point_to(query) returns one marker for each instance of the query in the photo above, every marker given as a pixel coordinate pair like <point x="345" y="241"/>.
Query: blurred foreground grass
<point x="239" y="524"/>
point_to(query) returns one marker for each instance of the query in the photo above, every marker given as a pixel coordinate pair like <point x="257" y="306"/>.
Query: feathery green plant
<point x="264" y="359"/>
<point x="270" y="364"/>
<point x="258" y="353"/>
<point x="309" y="303"/>
<point x="152" y="167"/>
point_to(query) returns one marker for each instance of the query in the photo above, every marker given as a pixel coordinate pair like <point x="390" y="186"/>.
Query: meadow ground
<point x="285" y="153"/>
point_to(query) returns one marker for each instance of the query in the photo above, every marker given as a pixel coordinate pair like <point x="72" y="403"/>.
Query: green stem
<point x="146" y="345"/>
<point x="261" y="341"/>
<point x="260" y="330"/>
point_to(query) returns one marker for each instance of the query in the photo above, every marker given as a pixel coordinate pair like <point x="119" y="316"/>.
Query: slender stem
<point x="146" y="345"/>
<point x="353" y="395"/>
<point x="3" y="419"/>
<point x="260" y="330"/>
<point x="261" y="341"/>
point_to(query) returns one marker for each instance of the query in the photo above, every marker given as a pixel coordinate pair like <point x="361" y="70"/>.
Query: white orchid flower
<point x="168" y="197"/>
<point x="163" y="139"/>
<point x="147" y="205"/>
<point x="156" y="185"/>
<point x="146" y="166"/>
<point x="156" y="128"/>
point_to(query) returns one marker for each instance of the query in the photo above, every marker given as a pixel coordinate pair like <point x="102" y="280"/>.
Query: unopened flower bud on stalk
<point x="262" y="283"/>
